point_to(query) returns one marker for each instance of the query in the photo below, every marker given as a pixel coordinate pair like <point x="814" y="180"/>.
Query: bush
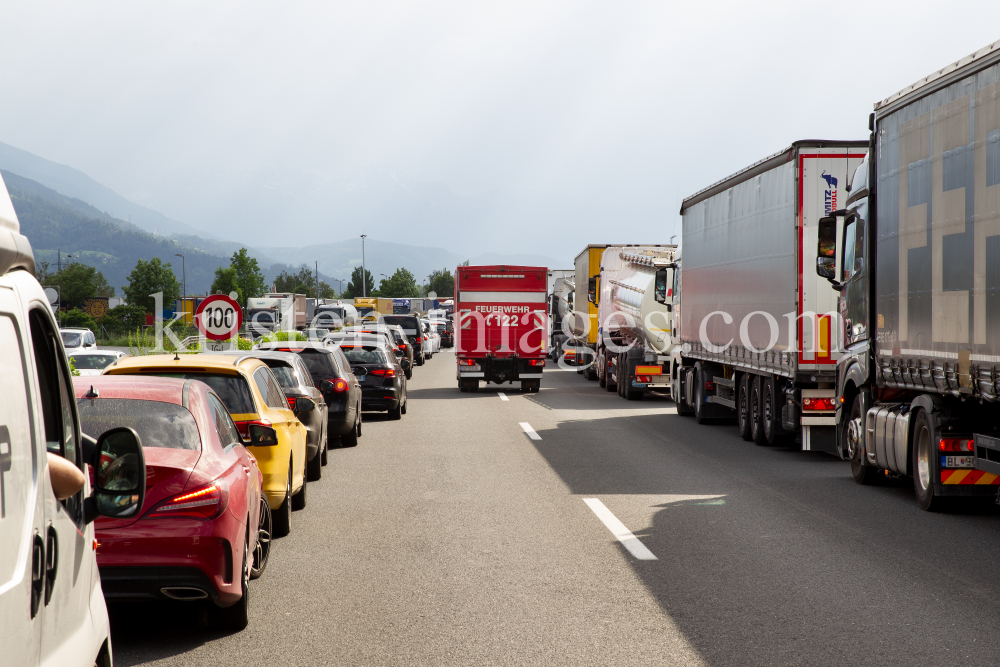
<point x="79" y="319"/>
<point x="121" y="320"/>
<point x="283" y="336"/>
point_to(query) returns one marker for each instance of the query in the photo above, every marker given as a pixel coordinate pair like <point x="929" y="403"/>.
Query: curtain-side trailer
<point x="915" y="255"/>
<point x="759" y="340"/>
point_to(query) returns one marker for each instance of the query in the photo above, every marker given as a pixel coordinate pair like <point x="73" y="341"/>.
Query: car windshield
<point x="71" y="338"/>
<point x="158" y="424"/>
<point x="356" y="354"/>
<point x="262" y="317"/>
<point x="283" y="371"/>
<point x="92" y="362"/>
<point x="232" y="389"/>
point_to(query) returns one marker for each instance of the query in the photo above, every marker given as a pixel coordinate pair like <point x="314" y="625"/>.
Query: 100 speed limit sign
<point x="219" y="317"/>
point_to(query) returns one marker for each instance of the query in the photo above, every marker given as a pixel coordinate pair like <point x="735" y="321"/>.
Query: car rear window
<point x="318" y="362"/>
<point x="409" y="323"/>
<point x="368" y="354"/>
<point x="71" y="339"/>
<point x="158" y="424"/>
<point x="91" y="362"/>
<point x="232" y="389"/>
<point x="283" y="372"/>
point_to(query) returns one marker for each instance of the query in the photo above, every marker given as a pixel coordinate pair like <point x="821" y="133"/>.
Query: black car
<point x="331" y="373"/>
<point x="383" y="384"/>
<point x="414" y="332"/>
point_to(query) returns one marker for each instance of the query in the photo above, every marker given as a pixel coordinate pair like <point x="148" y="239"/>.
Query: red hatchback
<point x="199" y="534"/>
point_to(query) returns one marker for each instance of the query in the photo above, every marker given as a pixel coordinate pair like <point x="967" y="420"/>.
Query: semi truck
<point x="277" y="311"/>
<point x="912" y="253"/>
<point x="560" y="288"/>
<point x="501" y="325"/>
<point x="758" y="341"/>
<point x="583" y="320"/>
<point x="333" y="314"/>
<point x="634" y="345"/>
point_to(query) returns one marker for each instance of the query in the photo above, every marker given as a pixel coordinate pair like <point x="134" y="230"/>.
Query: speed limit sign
<point x="219" y="317"/>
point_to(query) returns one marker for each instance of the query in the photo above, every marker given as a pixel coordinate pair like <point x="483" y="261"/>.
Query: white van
<point x="52" y="610"/>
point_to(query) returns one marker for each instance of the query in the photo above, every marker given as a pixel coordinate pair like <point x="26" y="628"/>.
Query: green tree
<point x="226" y="281"/>
<point x="401" y="285"/>
<point x="123" y="319"/>
<point x="303" y="282"/>
<point x="148" y="278"/>
<point x="78" y="282"/>
<point x="248" y="276"/>
<point x="353" y="289"/>
<point x="442" y="282"/>
<point x="77" y="318"/>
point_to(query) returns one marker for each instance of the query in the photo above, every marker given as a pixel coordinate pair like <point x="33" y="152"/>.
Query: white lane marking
<point x="503" y="396"/>
<point x="618" y="529"/>
<point x="530" y="431"/>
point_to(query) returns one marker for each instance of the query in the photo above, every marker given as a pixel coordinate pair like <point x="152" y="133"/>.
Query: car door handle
<point x="37" y="573"/>
<point x="51" y="562"/>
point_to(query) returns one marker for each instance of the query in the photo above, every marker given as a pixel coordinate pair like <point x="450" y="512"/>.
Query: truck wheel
<point x="678" y="394"/>
<point x="602" y="377"/>
<point x="743" y="407"/>
<point x="768" y="408"/>
<point x="924" y="470"/>
<point x="699" y="395"/>
<point x="855" y="448"/>
<point x="756" y="425"/>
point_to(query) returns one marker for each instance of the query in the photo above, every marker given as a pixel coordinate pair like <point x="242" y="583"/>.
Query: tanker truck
<point x="634" y="344"/>
<point x="914" y="256"/>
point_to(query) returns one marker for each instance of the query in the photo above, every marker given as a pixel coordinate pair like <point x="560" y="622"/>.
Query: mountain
<point x="76" y="184"/>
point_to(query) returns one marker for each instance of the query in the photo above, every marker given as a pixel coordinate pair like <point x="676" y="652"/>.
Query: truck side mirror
<point x="119" y="474"/>
<point x="826" y="248"/>
<point x="592" y="290"/>
<point x="660" y="286"/>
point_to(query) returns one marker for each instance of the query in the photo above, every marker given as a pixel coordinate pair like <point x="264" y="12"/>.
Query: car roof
<point x="73" y="329"/>
<point x="164" y="390"/>
<point x="91" y="352"/>
<point x="197" y="362"/>
<point x="296" y="344"/>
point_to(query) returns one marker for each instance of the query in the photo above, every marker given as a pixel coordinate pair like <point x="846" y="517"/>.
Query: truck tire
<point x="743" y="407"/>
<point x="683" y="409"/>
<point x="770" y="414"/>
<point x="756" y="423"/>
<point x="602" y="377"/>
<point x="924" y="470"/>
<point x="854" y="446"/>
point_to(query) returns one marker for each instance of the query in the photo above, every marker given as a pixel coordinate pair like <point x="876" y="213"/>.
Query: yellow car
<point x="254" y="398"/>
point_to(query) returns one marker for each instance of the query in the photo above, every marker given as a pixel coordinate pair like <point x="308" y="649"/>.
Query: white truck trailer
<point x="758" y="328"/>
<point x="277" y="311"/>
<point x="634" y="342"/>
<point x="560" y="285"/>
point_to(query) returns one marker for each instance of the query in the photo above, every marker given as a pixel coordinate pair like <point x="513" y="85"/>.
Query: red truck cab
<point x="501" y="325"/>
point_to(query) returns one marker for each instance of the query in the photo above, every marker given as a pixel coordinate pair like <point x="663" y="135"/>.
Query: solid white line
<point x="618" y="529"/>
<point x="530" y="431"/>
<point x="503" y="396"/>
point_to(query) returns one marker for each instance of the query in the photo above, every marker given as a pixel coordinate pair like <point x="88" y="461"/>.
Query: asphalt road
<point x="453" y="538"/>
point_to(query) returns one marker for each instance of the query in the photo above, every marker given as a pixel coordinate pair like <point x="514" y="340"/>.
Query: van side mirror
<point x="119" y="474"/>
<point x="826" y="248"/>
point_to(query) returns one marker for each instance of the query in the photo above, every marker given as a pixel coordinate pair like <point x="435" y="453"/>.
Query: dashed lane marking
<point x="530" y="431"/>
<point x="618" y="529"/>
<point x="503" y="396"/>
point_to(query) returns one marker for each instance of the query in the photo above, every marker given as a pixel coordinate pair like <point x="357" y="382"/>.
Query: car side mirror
<point x="264" y="436"/>
<point x="119" y="474"/>
<point x="304" y="404"/>
<point x="405" y="364"/>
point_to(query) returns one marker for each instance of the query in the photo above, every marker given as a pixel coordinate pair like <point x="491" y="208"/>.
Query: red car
<point x="203" y="530"/>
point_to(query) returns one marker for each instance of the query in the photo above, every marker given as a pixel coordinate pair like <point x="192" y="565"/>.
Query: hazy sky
<point x="621" y="108"/>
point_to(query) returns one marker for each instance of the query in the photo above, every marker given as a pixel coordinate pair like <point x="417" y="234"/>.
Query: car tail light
<point x="536" y="362"/>
<point x="384" y="372"/>
<point x="291" y="402"/>
<point x="402" y="346"/>
<point x="339" y="385"/>
<point x="207" y="502"/>
<point x="425" y="337"/>
<point x="957" y="445"/>
<point x="243" y="427"/>
<point x="813" y="403"/>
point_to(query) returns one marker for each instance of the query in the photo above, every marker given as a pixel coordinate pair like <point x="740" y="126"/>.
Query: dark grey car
<point x="296" y="381"/>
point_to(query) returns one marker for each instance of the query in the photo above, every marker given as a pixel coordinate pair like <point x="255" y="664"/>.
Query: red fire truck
<point x="501" y="325"/>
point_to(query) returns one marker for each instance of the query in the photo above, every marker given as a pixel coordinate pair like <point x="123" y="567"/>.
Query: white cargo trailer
<point x="758" y="327"/>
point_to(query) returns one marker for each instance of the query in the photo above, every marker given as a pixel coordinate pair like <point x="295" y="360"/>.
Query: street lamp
<point x="364" y="270"/>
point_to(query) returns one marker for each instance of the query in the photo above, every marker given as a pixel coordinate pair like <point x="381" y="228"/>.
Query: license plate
<point x="958" y="461"/>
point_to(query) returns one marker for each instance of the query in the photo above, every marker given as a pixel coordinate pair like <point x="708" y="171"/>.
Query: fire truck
<point x="501" y="325"/>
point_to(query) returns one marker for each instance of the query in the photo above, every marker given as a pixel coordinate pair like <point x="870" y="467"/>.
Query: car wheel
<point x="326" y="448"/>
<point x="396" y="412"/>
<point x="350" y="439"/>
<point x="236" y="617"/>
<point x="263" y="547"/>
<point x="360" y="421"/>
<point x="408" y="373"/>
<point x="299" y="499"/>
<point x="406" y="402"/>
<point x="281" y="518"/>
<point x="314" y="468"/>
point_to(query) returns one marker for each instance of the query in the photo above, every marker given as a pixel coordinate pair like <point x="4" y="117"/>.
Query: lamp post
<point x="364" y="270"/>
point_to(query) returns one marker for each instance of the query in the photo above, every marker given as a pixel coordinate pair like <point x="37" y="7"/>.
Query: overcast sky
<point x="622" y="108"/>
